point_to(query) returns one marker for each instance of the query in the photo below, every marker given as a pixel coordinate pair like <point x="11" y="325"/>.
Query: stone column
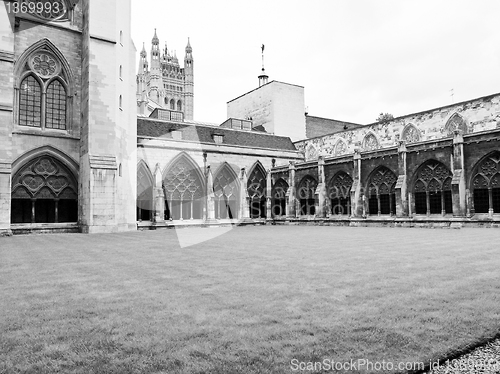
<point x="356" y="195"/>
<point x="210" y="209"/>
<point x="5" y="198"/>
<point x="290" y="194"/>
<point x="458" y="192"/>
<point x="158" y="197"/>
<point x="268" y="195"/>
<point x="402" y="183"/>
<point x="244" y="199"/>
<point x="320" y="194"/>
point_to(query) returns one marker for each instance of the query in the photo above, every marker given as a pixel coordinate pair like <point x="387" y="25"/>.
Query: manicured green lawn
<point x="249" y="301"/>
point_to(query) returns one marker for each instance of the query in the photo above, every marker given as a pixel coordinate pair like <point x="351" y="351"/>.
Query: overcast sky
<point x="355" y="58"/>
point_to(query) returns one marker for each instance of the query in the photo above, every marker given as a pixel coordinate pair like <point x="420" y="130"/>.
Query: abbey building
<point x="90" y="142"/>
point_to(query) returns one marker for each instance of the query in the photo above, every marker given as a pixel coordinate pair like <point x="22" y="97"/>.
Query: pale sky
<point x="355" y="58"/>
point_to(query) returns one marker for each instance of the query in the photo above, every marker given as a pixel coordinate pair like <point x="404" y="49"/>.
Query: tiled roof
<point x="147" y="127"/>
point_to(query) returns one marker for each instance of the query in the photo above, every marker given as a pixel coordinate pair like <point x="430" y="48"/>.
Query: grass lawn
<point x="249" y="301"/>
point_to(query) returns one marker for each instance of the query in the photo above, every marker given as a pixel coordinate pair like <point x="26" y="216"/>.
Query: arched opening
<point x="44" y="191"/>
<point x="183" y="190"/>
<point x="411" y="134"/>
<point x="144" y="193"/>
<point x="172" y="104"/>
<point x="256" y="187"/>
<point x="339" y="192"/>
<point x="30" y="102"/>
<point x="456" y="122"/>
<point x="370" y="142"/>
<point x="279" y="191"/>
<point x="306" y="193"/>
<point x="340" y="148"/>
<point x="485" y="185"/>
<point x="179" y="105"/>
<point x="56" y="99"/>
<point x="227" y="192"/>
<point x="432" y="189"/>
<point x="381" y="192"/>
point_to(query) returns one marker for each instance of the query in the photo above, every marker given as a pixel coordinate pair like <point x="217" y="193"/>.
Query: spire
<point x="143" y="52"/>
<point x="263" y="77"/>
<point x="188" y="47"/>
<point x="155" y="39"/>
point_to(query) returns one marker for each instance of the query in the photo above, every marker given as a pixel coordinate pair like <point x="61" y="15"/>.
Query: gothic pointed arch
<point x="455" y="122"/>
<point x="411" y="134"/>
<point x="226" y="187"/>
<point x="306" y="194"/>
<point x="311" y="152"/>
<point x="44" y="88"/>
<point x="183" y="184"/>
<point x="279" y="190"/>
<point x="340" y="148"/>
<point x="256" y="188"/>
<point x="485" y="184"/>
<point x="381" y="191"/>
<point x="431" y="188"/>
<point x="370" y="142"/>
<point x="339" y="192"/>
<point x="44" y="189"/>
<point x="145" y="183"/>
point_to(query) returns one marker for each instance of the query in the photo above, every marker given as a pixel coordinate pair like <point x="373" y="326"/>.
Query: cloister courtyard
<point x="252" y="299"/>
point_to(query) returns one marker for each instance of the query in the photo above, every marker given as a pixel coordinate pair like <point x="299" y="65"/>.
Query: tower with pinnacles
<point x="165" y="84"/>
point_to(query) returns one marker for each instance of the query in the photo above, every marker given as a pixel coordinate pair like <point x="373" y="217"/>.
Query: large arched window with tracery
<point x="486" y="185"/>
<point x="432" y="189"/>
<point x="43" y="92"/>
<point x="256" y="187"/>
<point x="456" y="122"/>
<point x="381" y="192"/>
<point x="339" y="192"/>
<point x="306" y="194"/>
<point x="279" y="191"/>
<point x="370" y="142"/>
<point x="144" y="193"/>
<point x="183" y="190"/>
<point x="44" y="191"/>
<point x="227" y="192"/>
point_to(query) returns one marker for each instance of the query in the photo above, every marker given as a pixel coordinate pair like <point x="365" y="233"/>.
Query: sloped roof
<point x="154" y="128"/>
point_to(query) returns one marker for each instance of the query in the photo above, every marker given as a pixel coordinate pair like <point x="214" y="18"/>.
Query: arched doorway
<point x="432" y="189"/>
<point x="306" y="193"/>
<point x="44" y="191"/>
<point x="183" y="190"/>
<point x="256" y="187"/>
<point x="339" y="192"/>
<point x="227" y="192"/>
<point x="144" y="193"/>
<point x="280" y="189"/>
<point x="485" y="184"/>
<point x="381" y="192"/>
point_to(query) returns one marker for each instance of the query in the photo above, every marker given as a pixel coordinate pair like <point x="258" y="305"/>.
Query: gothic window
<point x="172" y="104"/>
<point x="43" y="95"/>
<point x="256" y="187"/>
<point x="456" y="122"/>
<point x="432" y="189"/>
<point x="486" y="185"/>
<point x="227" y="192"/>
<point x="144" y="193"/>
<point x="179" y="105"/>
<point x="30" y="102"/>
<point x="370" y="143"/>
<point x="44" y="191"/>
<point x="381" y="192"/>
<point x="411" y="134"/>
<point x="340" y="148"/>
<point x="279" y="191"/>
<point x="339" y="192"/>
<point x="183" y="190"/>
<point x="306" y="193"/>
